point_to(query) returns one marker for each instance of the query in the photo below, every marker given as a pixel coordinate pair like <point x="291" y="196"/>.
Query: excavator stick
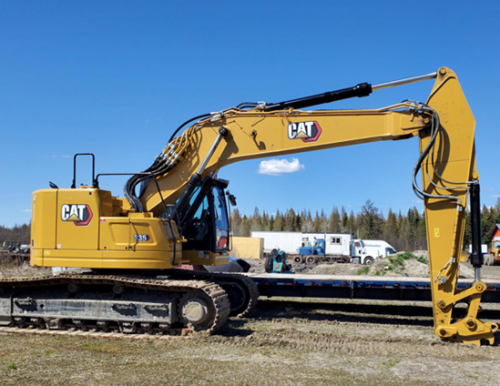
<point x="449" y="176"/>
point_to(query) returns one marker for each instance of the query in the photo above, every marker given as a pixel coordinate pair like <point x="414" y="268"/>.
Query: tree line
<point x="18" y="234"/>
<point x="404" y="231"/>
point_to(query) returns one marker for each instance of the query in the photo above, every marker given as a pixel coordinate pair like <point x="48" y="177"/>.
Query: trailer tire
<point x="298" y="259"/>
<point x="311" y="260"/>
<point x="369" y="260"/>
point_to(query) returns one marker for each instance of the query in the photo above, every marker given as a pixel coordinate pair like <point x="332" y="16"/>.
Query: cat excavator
<point x="130" y="249"/>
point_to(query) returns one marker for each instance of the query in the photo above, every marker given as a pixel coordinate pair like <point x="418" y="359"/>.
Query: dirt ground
<point x="285" y="342"/>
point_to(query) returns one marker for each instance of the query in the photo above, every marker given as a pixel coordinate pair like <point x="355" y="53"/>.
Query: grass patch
<point x="12" y="367"/>
<point x="390" y="363"/>
<point x="398" y="260"/>
<point x="364" y="271"/>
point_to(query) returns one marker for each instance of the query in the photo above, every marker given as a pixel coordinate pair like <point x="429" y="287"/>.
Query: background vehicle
<point x="299" y="246"/>
<point x="375" y="249"/>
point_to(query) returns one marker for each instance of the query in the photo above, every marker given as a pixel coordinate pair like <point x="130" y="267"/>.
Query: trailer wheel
<point x="311" y="260"/>
<point x="369" y="260"/>
<point x="298" y="259"/>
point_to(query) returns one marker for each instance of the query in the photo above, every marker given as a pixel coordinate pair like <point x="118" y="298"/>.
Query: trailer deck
<point x="358" y="287"/>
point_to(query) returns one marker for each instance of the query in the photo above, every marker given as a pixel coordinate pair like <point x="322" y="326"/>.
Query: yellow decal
<point x="46" y="252"/>
<point x="436" y="232"/>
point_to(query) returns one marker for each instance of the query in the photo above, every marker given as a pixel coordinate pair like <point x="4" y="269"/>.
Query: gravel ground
<point x="286" y="342"/>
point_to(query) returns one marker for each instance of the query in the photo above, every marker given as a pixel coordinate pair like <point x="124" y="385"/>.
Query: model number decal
<point x="307" y="131"/>
<point x="139" y="238"/>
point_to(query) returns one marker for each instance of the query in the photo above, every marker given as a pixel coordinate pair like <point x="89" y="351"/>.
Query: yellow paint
<point x="247" y="247"/>
<point x="105" y="242"/>
<point x="204" y="258"/>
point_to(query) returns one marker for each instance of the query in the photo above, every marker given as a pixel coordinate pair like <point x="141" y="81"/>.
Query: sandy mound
<point x="422" y="254"/>
<point x="400" y="265"/>
<point x="404" y="264"/>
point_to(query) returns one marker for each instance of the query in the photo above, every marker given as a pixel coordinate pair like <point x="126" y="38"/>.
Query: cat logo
<point x="79" y="214"/>
<point x="307" y="131"/>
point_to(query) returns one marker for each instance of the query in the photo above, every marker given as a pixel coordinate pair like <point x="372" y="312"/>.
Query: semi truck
<point x="376" y="249"/>
<point x="313" y="248"/>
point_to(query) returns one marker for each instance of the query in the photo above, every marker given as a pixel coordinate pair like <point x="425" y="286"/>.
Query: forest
<point x="404" y="231"/>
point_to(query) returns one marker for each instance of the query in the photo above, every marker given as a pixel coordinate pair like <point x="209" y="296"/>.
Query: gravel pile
<point x="402" y="264"/>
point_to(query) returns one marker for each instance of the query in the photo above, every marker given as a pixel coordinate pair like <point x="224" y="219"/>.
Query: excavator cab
<point x="204" y="220"/>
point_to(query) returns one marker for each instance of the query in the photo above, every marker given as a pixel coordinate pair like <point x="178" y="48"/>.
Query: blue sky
<point x="116" y="78"/>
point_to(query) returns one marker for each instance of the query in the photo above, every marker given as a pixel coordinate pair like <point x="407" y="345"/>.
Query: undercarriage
<point x="175" y="303"/>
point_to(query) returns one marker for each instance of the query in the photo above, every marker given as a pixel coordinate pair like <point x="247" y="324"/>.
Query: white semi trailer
<point x="338" y="246"/>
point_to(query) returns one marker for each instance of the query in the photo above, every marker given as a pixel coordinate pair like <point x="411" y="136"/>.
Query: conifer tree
<point x="390" y="231"/>
<point x="297" y="223"/>
<point x="344" y="218"/>
<point x="246" y="227"/>
<point x="307" y="224"/>
<point x="279" y="222"/>
<point x="334" y="225"/>
<point x="270" y="225"/>
<point x="351" y="225"/>
<point x="264" y="221"/>
<point x="236" y="222"/>
<point x="290" y="221"/>
<point x="316" y="223"/>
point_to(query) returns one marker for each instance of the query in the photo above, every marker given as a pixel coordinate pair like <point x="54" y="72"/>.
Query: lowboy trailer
<point x="359" y="287"/>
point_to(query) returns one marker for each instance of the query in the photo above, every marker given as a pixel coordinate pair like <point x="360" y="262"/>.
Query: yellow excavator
<point x="175" y="213"/>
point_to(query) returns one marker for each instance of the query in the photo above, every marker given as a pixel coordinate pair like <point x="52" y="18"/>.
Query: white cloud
<point x="417" y="201"/>
<point x="277" y="167"/>
<point x="26" y="210"/>
<point x="495" y="195"/>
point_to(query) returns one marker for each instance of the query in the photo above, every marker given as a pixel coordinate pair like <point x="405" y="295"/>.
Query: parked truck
<point x="376" y="249"/>
<point x="313" y="248"/>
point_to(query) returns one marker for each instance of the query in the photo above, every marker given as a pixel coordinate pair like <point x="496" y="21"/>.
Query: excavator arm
<point x="445" y="127"/>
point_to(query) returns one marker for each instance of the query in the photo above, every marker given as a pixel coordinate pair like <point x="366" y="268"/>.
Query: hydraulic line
<point x="418" y="166"/>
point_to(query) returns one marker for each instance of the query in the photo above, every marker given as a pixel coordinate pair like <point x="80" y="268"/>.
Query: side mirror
<point x="232" y="199"/>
